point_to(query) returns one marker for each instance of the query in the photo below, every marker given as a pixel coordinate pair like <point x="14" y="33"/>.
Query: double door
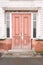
<point x="21" y="31"/>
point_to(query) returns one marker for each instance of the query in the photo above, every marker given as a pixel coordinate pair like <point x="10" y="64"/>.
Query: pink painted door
<point x="21" y="31"/>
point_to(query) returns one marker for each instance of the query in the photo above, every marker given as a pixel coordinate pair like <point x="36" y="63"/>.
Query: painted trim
<point x="31" y="28"/>
<point x="38" y="25"/>
<point x="10" y="25"/>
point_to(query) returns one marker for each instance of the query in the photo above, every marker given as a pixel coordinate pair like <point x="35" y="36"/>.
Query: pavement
<point x="21" y="61"/>
<point x="26" y="58"/>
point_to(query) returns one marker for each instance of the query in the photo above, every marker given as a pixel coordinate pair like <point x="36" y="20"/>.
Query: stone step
<point x="23" y="53"/>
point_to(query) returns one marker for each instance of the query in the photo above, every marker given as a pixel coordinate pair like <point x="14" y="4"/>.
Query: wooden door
<point x="21" y="31"/>
<point x="26" y="33"/>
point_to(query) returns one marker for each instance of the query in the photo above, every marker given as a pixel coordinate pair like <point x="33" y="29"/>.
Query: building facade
<point x="21" y="25"/>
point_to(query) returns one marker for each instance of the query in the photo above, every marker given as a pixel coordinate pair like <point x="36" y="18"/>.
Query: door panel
<point x="16" y="31"/>
<point x="16" y="24"/>
<point x="27" y="25"/>
<point x="17" y="42"/>
<point x="26" y="42"/>
<point x="21" y="28"/>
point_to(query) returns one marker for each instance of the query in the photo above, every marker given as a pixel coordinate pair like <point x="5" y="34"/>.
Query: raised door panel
<point x="27" y="24"/>
<point x="16" y="25"/>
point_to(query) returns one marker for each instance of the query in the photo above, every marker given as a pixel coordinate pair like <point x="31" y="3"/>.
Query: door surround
<point x="22" y="13"/>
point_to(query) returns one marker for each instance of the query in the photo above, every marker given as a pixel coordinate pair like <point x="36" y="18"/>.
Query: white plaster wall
<point x="21" y="3"/>
<point x="2" y="24"/>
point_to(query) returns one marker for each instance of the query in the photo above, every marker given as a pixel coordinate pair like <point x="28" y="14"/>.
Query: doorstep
<point x="19" y="53"/>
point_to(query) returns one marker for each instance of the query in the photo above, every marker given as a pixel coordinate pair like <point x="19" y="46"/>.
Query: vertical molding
<point x="10" y="25"/>
<point x="41" y="23"/>
<point x="38" y="25"/>
<point x="31" y="25"/>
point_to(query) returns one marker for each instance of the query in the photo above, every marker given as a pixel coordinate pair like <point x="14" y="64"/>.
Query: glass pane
<point x="34" y="32"/>
<point x="34" y="16"/>
<point x="7" y="16"/>
<point x="8" y="32"/>
<point x="34" y="25"/>
<point x="34" y="29"/>
<point x="8" y="23"/>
